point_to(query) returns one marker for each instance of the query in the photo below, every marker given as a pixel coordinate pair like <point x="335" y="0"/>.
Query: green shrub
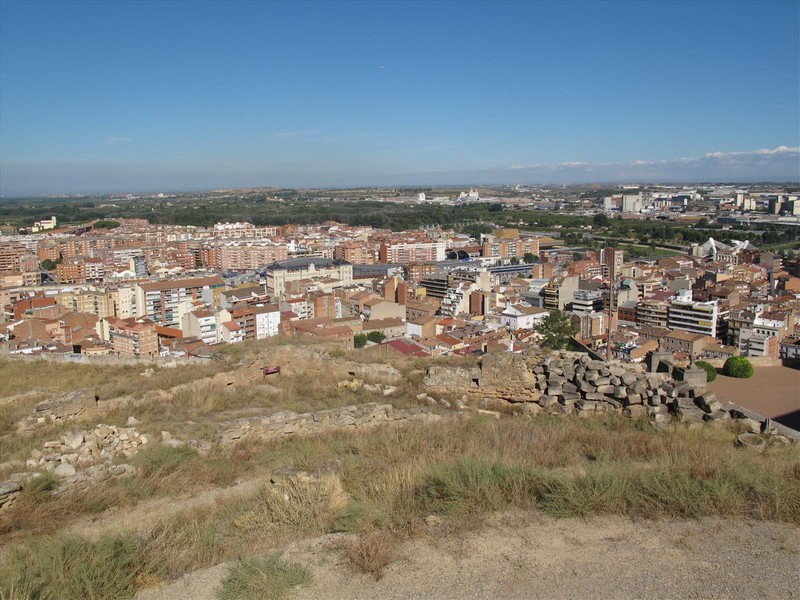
<point x="360" y="340"/>
<point x="260" y="579"/>
<point x="376" y="336"/>
<point x="739" y="367"/>
<point x="711" y="371"/>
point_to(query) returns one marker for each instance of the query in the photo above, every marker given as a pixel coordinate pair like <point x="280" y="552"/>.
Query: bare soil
<point x="530" y="555"/>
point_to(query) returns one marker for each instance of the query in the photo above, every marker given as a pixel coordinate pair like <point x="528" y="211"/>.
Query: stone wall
<point x="573" y="383"/>
<point x="360" y="416"/>
<point x="72" y="405"/>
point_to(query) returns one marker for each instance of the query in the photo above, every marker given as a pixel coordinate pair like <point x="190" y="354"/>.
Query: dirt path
<point x="533" y="556"/>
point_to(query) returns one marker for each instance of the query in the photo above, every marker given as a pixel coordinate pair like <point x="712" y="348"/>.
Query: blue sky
<point x="118" y="96"/>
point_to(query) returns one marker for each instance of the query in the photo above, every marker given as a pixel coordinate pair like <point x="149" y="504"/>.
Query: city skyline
<point x="141" y="97"/>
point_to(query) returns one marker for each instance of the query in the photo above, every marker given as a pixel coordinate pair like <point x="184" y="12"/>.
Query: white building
<point x="632" y="203"/>
<point x="522" y="316"/>
<point x="456" y="299"/>
<point x="268" y="320"/>
<point x="695" y="317"/>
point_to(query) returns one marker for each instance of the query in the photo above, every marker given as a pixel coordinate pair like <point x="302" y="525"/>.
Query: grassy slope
<point x="458" y="469"/>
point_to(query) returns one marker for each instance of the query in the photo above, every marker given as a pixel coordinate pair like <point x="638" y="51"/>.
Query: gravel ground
<point x="529" y="555"/>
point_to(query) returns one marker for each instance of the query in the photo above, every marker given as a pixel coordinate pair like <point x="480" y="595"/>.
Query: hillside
<point x="148" y="473"/>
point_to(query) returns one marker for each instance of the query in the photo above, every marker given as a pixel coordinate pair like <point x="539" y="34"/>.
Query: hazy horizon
<point x="113" y="97"/>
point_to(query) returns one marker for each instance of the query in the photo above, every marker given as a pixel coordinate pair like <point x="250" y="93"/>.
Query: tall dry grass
<point x="466" y="468"/>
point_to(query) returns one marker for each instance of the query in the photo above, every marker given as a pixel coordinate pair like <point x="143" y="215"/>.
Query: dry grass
<point x="463" y="470"/>
<point x="371" y="551"/>
<point x="262" y="579"/>
<point x="108" y="381"/>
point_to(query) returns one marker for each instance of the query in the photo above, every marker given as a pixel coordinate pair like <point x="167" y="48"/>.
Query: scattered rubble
<point x="78" y="460"/>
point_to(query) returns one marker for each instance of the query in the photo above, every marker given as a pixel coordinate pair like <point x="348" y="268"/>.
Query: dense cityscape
<point x="128" y="287"/>
<point x="448" y="300"/>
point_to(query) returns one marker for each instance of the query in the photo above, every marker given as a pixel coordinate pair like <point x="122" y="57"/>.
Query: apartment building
<point x="505" y="243"/>
<point x="160" y="300"/>
<point x="456" y="299"/>
<point x="243" y="231"/>
<point x="694" y="317"/>
<point x="613" y="258"/>
<point x="71" y="271"/>
<point x="133" y="337"/>
<point x="586" y="301"/>
<point x="559" y="291"/>
<point x="267" y="319"/>
<point x="522" y="316"/>
<point x="279" y="273"/>
<point x="95" y="302"/>
<point x="652" y="312"/>
<point x="359" y="253"/>
<point x="408" y="252"/>
<point x="242" y="255"/>
<point x="204" y="325"/>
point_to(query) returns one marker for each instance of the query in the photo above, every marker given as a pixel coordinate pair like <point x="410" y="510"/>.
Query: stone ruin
<point x="359" y="416"/>
<point x="66" y="407"/>
<point x="566" y="383"/>
<point x="79" y="460"/>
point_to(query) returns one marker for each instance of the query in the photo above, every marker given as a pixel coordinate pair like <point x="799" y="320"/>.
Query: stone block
<point x="634" y="411"/>
<point x="548" y="400"/>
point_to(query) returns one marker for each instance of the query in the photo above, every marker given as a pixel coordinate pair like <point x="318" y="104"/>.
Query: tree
<point x="514" y="260"/>
<point x="601" y="220"/>
<point x="376" y="336"/>
<point x="739" y="367"/>
<point x="711" y="372"/>
<point x="530" y="258"/>
<point x="556" y="330"/>
<point x="106" y="224"/>
<point x="359" y="340"/>
<point x="49" y="265"/>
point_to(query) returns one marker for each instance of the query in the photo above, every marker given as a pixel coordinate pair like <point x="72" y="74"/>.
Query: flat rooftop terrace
<point x="773" y="392"/>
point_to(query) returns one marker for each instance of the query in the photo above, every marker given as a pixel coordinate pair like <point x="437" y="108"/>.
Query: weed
<point x="370" y="552"/>
<point x="161" y="460"/>
<point x="262" y="579"/>
<point x="68" y="567"/>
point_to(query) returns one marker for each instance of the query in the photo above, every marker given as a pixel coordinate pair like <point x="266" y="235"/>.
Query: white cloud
<point x="116" y="139"/>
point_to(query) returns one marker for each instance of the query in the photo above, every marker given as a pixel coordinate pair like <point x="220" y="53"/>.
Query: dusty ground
<point x="772" y="391"/>
<point x="533" y="556"/>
